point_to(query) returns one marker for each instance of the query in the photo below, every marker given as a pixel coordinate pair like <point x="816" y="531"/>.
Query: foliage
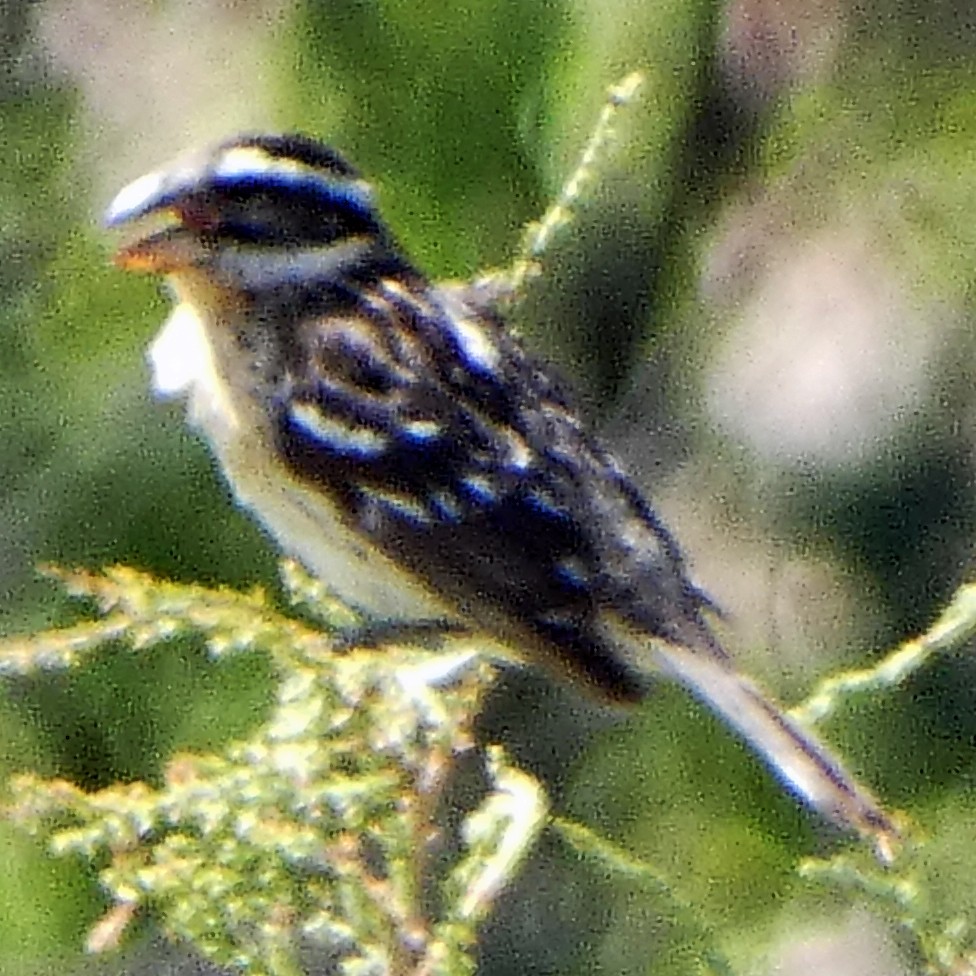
<point x="322" y="824"/>
<point x="325" y="828"/>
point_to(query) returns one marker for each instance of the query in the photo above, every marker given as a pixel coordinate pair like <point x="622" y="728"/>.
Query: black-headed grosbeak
<point x="398" y="440"/>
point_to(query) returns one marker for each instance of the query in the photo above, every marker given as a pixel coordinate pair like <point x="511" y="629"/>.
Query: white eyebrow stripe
<point x="163" y="187"/>
<point x="242" y="160"/>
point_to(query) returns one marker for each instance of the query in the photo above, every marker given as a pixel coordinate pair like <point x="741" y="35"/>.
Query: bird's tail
<point x="794" y="754"/>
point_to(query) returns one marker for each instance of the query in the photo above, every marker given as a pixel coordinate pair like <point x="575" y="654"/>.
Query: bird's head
<point x="255" y="210"/>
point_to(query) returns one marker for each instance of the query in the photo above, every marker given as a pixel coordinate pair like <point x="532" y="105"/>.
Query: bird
<point x="394" y="435"/>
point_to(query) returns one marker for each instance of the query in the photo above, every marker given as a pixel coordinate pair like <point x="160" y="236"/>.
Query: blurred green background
<point x="766" y="301"/>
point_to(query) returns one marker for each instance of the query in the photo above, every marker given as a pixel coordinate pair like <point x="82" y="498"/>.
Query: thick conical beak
<point x="163" y="252"/>
<point x="158" y="194"/>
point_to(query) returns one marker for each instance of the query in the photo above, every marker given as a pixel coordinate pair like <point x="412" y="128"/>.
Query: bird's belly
<point x="307" y="527"/>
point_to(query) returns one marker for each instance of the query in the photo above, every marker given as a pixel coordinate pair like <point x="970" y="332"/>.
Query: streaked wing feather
<point x="455" y="454"/>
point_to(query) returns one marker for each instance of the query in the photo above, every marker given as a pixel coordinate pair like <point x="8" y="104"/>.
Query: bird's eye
<point x="198" y="215"/>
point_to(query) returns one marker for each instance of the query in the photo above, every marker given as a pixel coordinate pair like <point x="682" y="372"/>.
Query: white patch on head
<point x="134" y="198"/>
